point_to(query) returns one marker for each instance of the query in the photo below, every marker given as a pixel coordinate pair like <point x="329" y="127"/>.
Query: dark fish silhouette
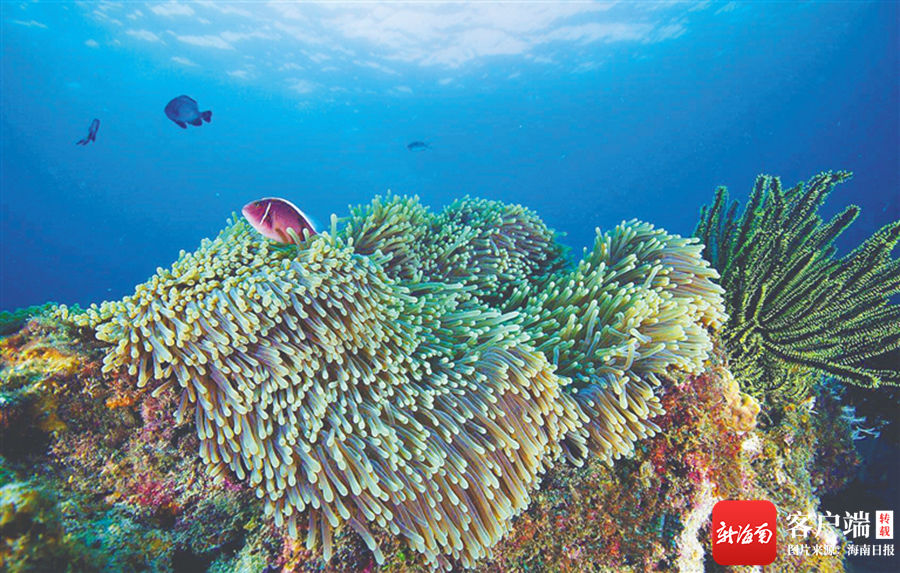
<point x="92" y="133"/>
<point x="418" y="146"/>
<point x="183" y="110"/>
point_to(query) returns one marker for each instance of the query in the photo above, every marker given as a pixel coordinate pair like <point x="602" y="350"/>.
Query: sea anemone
<point x="492" y="246"/>
<point x="337" y="391"/>
<point x="345" y="396"/>
<point x="637" y="307"/>
<point x="396" y="226"/>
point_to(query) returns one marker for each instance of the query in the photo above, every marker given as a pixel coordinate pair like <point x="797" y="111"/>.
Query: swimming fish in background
<point x="183" y="110"/>
<point x="418" y="146"/>
<point x="272" y="217"/>
<point x="92" y="133"/>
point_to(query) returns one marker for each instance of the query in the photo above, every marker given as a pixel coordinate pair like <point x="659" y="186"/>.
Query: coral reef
<point x="11" y="321"/>
<point x="34" y="378"/>
<point x="114" y="484"/>
<point x="651" y="512"/>
<point x="346" y="397"/>
<point x="359" y="408"/>
<point x="130" y="493"/>
<point x="794" y="307"/>
<point x="743" y="407"/>
<point x="33" y="538"/>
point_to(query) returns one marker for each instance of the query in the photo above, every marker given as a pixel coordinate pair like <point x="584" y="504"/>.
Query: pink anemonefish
<point x="272" y="217"/>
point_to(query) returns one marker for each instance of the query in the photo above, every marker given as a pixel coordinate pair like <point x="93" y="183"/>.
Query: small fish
<point x="92" y="133"/>
<point x="183" y="110"/>
<point x="272" y="217"/>
<point x="418" y="146"/>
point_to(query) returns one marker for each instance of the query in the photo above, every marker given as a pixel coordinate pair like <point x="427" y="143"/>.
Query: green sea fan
<point x="795" y="307"/>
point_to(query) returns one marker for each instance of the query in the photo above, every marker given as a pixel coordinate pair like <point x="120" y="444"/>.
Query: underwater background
<point x="587" y="113"/>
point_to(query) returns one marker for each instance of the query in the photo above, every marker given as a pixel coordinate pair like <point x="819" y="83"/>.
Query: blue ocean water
<point x="587" y="113"/>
